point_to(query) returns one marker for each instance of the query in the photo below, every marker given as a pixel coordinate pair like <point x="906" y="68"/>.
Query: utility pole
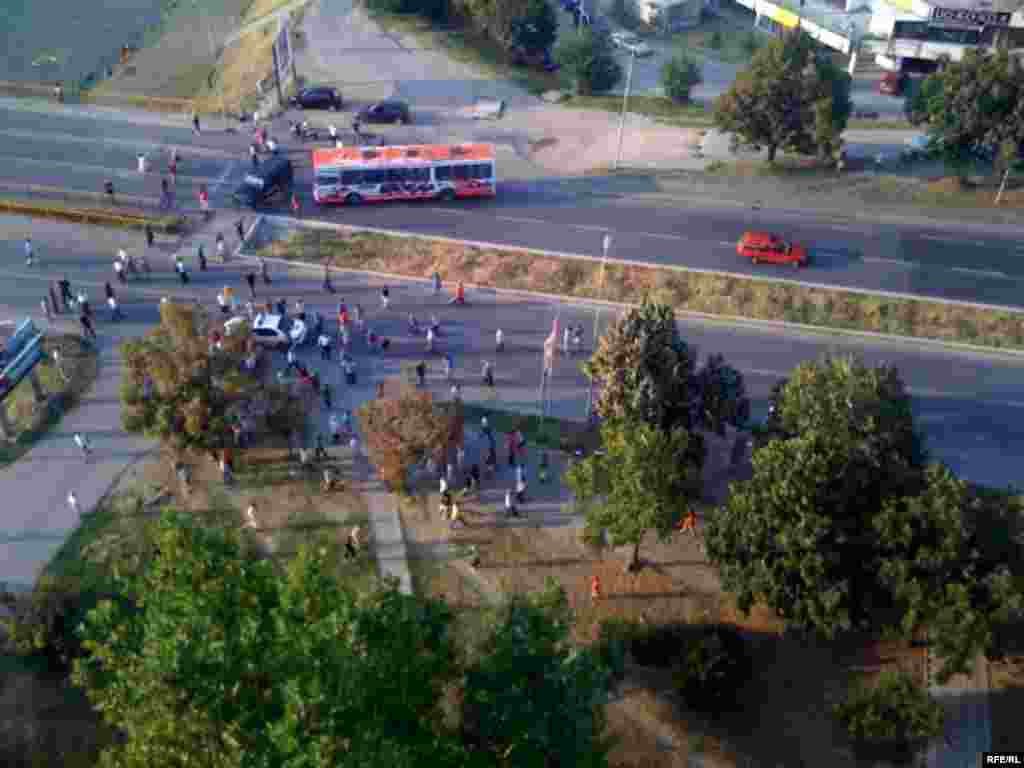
<point x="606" y="245"/>
<point x="1002" y="185"/>
<point x="625" y="101"/>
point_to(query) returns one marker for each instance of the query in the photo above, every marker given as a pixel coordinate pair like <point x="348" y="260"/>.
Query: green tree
<point x="787" y="99"/>
<point x="533" y="699"/>
<point x="536" y="29"/>
<point x="644" y="369"/>
<point x="892" y="720"/>
<point x="223" y="661"/>
<point x="722" y="395"/>
<point x="972" y="108"/>
<point x="679" y="76"/>
<point x="587" y="57"/>
<point x="644" y="481"/>
<point x="843" y="527"/>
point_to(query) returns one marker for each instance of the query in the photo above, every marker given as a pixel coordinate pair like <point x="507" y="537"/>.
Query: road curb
<point x="819" y="330"/>
<point x="126" y="220"/>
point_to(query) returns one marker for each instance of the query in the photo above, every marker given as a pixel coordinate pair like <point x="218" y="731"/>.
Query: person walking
<point x="296" y="207"/>
<point x="195" y="124"/>
<point x="47" y="309"/>
<point x="385" y="298"/>
<point x="290" y="357"/>
<point x="55" y="297"/>
<point x="73" y="503"/>
<point x="449" y="367"/>
<point x="435" y="281"/>
<point x="510" y="507"/>
<point x="327" y="395"/>
<point x="64" y="291"/>
<point x="222" y="248"/>
<point x="488" y="374"/>
<point x="250" y="279"/>
<point x="264" y="272"/>
<point x="108" y="190"/>
<point x="566" y="336"/>
<point x="334" y="425"/>
<point x="460" y="294"/>
<point x="179" y="267"/>
<point x="204" y="201"/>
<point x="150" y="235"/>
<point x="324" y="342"/>
<point x="201" y="257"/>
<point x="30" y="257"/>
<point x="352" y="544"/>
<point x="430" y="340"/>
<point x="172" y="170"/>
<point x="222" y="302"/>
<point x="87" y="328"/>
<point x="108" y="290"/>
<point x="119" y="271"/>
<point x="254" y="156"/>
<point x="83" y="445"/>
<point x="510" y="446"/>
<point x="328" y="286"/>
<point x="240" y="229"/>
<point x="421" y="373"/>
<point x="115" y="309"/>
<point x="499" y="341"/>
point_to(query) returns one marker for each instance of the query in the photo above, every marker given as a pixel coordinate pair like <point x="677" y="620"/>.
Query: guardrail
<point x="100" y="96"/>
<point x="145" y="204"/>
<point x="169" y="222"/>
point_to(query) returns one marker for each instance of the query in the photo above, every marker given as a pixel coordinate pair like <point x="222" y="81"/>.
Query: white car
<point x="266" y="329"/>
<point x="631" y="43"/>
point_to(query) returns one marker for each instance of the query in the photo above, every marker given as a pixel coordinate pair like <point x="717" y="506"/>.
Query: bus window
<point x="461" y="172"/>
<point x="351" y="178"/>
<point x="442" y="172"/>
<point x="397" y="174"/>
<point x="418" y="174"/>
<point x="325" y="178"/>
<point x="482" y="171"/>
<point x="375" y="177"/>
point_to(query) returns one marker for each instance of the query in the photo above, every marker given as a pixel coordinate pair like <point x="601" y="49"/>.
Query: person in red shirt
<point x="204" y="200"/>
<point x="295" y="204"/>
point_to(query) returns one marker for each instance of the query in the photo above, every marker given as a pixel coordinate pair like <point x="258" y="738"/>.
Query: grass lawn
<point x="30" y="421"/>
<point x="727" y="37"/>
<point x="658" y="107"/>
<point x="555" y="434"/>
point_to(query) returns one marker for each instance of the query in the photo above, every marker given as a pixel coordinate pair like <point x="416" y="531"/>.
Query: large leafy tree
<point x="645" y="369"/>
<point x="532" y="699"/>
<point x="221" y="661"/>
<point x="789" y="98"/>
<point x="404" y="428"/>
<point x="722" y="395"/>
<point x="642" y="482"/>
<point x="536" y="28"/>
<point x="587" y="57"/>
<point x="177" y="388"/>
<point x="972" y="108"/>
<point x="843" y="526"/>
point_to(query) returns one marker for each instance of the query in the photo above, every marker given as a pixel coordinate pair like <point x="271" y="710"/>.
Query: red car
<point x="772" y="249"/>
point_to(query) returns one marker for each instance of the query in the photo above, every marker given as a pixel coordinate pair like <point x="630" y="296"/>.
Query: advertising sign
<point x="971" y="16"/>
<point x="23" y="333"/>
<point x="283" y="51"/>
<point x="21" y="366"/>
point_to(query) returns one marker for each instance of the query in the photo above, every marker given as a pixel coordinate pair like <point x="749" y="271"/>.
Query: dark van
<point x="272" y="177"/>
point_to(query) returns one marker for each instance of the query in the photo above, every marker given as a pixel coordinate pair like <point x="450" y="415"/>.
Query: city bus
<point x="352" y="175"/>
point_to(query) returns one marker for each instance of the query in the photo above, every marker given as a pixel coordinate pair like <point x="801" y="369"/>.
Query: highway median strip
<point x="128" y="218"/>
<point x="693" y="291"/>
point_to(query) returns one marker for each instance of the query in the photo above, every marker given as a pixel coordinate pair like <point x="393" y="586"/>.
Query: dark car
<point x="272" y="177"/>
<point x="390" y="111"/>
<point x="318" y="97"/>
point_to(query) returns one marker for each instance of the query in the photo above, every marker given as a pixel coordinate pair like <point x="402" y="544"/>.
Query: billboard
<point x="27" y="359"/>
<point x="972" y="16"/>
<point x="283" y="52"/>
<point x="22" y="334"/>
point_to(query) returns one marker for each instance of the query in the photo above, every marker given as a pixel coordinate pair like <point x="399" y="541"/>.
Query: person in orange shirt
<point x="689" y="523"/>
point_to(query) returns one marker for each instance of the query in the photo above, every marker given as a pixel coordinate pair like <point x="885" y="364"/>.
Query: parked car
<point x="631" y="44"/>
<point x="270" y="178"/>
<point x="266" y="329"/>
<point x="317" y="97"/>
<point x="772" y="249"/>
<point x="893" y="83"/>
<point x="390" y="111"/>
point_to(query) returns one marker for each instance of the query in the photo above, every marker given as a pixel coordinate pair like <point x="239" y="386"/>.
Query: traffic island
<point x="88" y="208"/>
<point x="719" y="295"/>
<point x="39" y="402"/>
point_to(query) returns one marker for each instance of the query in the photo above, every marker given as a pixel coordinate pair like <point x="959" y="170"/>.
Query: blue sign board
<point x="21" y="366"/>
<point x="26" y="330"/>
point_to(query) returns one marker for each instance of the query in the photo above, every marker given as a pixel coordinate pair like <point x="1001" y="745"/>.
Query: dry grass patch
<point x="727" y="295"/>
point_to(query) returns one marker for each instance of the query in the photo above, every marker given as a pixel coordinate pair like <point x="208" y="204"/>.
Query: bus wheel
<point x="447" y="195"/>
<point x="353" y="199"/>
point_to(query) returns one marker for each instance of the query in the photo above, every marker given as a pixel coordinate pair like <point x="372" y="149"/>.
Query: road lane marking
<point x="954" y="240"/>
<point x="92" y="141"/>
<point x="881" y="260"/>
<point x="981" y="272"/>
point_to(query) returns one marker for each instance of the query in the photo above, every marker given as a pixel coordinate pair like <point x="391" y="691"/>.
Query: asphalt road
<point x="969" y="405"/>
<point x="956" y="261"/>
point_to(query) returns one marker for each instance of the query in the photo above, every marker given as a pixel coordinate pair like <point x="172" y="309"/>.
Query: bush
<point x="678" y="76"/>
<point x="588" y="60"/>
<point x="896" y="718"/>
<point x="713" y="668"/>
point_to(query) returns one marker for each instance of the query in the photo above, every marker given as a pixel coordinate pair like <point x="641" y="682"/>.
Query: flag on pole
<point x="551" y="346"/>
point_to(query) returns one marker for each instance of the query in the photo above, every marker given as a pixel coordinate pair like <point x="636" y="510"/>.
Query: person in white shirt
<point x="499" y="340"/>
<point x="29" y="252"/>
<point x="325" y="346"/>
<point x="73" y="503"/>
<point x="119" y="271"/>
<point x="83" y="445"/>
<point x="115" y="310"/>
<point x="222" y="302"/>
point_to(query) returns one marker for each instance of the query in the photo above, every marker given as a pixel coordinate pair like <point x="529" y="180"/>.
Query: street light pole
<point x="606" y="244"/>
<point x="625" y="101"/>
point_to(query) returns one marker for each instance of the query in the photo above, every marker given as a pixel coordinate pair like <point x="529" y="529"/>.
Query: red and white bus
<point x="352" y="175"/>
